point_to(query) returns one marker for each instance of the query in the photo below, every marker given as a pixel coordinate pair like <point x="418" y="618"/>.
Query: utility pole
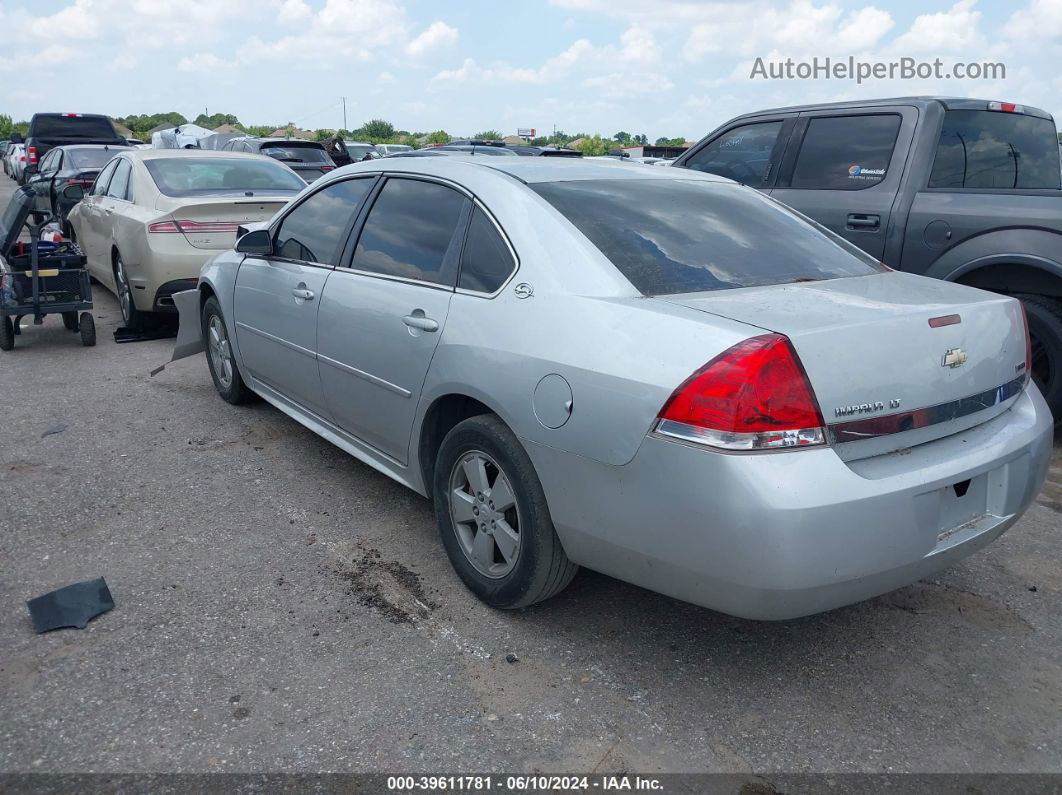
<point x="344" y="112"/>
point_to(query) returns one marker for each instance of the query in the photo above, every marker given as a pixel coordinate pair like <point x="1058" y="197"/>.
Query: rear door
<point x="748" y="152"/>
<point x="384" y="310"/>
<point x="89" y="230"/>
<point x="277" y="297"/>
<point x="843" y="169"/>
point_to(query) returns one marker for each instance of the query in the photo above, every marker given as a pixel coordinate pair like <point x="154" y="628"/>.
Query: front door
<point x="277" y="297"/>
<point x="383" y="315"/>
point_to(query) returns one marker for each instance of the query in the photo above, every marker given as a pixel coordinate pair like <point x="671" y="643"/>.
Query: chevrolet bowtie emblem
<point x="956" y="357"/>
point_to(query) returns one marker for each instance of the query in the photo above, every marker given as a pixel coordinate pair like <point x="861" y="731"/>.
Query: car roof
<point x="165" y="154"/>
<point x="93" y="146"/>
<point x="529" y="170"/>
<point x="949" y="103"/>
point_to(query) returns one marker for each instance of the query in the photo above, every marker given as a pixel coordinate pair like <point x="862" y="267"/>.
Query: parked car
<point x="47" y="130"/>
<point x="308" y="159"/>
<point x="963" y="190"/>
<point x="343" y="152"/>
<point x="5" y="149"/>
<point x="64" y="166"/>
<point x="154" y="216"/>
<point x="390" y="149"/>
<point x="654" y="373"/>
<point x="476" y="149"/>
<point x="15" y="161"/>
<point x="138" y="143"/>
<point x="543" y="151"/>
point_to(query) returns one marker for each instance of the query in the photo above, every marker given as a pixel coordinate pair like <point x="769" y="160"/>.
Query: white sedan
<point x="154" y="216"/>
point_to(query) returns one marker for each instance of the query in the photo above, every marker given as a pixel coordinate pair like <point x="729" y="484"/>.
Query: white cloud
<point x="438" y="36"/>
<point x="77" y="21"/>
<point x="294" y="11"/>
<point x="943" y="32"/>
<point x="1041" y="19"/>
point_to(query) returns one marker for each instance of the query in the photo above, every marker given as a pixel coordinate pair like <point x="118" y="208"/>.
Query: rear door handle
<point x="858" y="221"/>
<point x="303" y="293"/>
<point x="421" y="322"/>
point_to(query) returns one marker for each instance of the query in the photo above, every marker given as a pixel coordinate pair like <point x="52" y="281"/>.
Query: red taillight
<point x="327" y="168"/>
<point x="31" y="153"/>
<point x="1028" y="343"/>
<point x="194" y="227"/>
<point x="84" y="183"/>
<point x="753" y="396"/>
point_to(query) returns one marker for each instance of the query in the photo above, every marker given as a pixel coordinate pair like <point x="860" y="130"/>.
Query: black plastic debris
<point x="160" y="332"/>
<point x="53" y="430"/>
<point x="72" y="606"/>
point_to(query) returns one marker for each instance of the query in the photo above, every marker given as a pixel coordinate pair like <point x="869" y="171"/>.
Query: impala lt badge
<point x="955" y="357"/>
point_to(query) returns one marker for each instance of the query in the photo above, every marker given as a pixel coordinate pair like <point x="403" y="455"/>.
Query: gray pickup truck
<point x="958" y="189"/>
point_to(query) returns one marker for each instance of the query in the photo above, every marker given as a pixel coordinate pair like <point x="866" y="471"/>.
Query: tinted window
<point x="846" y="152"/>
<point x="59" y="126"/>
<point x="191" y="176"/>
<point x="119" y="186"/>
<point x="50" y="163"/>
<point x="985" y="149"/>
<point x="292" y="153"/>
<point x="88" y="158"/>
<point x="99" y="187"/>
<point x="312" y="231"/>
<point x="358" y="151"/>
<point x="486" y="261"/>
<point x="410" y="230"/>
<point x="742" y="154"/>
<point x="678" y="236"/>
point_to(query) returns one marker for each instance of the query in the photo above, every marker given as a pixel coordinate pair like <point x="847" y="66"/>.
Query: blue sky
<point x="669" y="67"/>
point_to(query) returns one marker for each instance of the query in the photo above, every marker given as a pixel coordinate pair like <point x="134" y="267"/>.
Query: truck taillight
<point x="1006" y="107"/>
<point x="31" y="154"/>
<point x="753" y="396"/>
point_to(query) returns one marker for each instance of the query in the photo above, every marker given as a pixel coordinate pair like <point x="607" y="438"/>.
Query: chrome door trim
<point x="372" y="379"/>
<point x="278" y="340"/>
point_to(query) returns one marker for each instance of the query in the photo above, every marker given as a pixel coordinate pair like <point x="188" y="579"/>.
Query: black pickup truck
<point x="959" y="189"/>
<point x="48" y="130"/>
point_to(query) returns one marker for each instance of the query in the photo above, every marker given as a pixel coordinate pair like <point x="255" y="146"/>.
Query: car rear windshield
<point x="990" y="149"/>
<point x="190" y="176"/>
<point x="682" y="236"/>
<point x="56" y="125"/>
<point x="360" y="150"/>
<point x="293" y="153"/>
<point x="86" y="159"/>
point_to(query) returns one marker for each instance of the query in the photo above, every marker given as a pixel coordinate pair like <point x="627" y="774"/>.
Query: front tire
<point x="223" y="368"/>
<point x="493" y="517"/>
<point x="1045" y="332"/>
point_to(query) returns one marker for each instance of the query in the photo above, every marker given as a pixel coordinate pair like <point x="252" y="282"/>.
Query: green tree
<point x="438" y="137"/>
<point x="641" y="140"/>
<point x="7" y="126"/>
<point x="489" y="135"/>
<point x="376" y="130"/>
<point x="215" y="120"/>
<point x="595" y="145"/>
<point x="622" y="138"/>
<point x="670" y="141"/>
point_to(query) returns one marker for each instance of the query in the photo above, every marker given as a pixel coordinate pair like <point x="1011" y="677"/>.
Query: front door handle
<point x="303" y="293"/>
<point x="858" y="221"/>
<point x="421" y="322"/>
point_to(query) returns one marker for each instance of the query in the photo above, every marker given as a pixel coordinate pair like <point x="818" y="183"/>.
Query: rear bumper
<point x="780" y="535"/>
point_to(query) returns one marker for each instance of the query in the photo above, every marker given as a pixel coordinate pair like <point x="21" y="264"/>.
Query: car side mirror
<point x="258" y="243"/>
<point x="74" y="193"/>
<point x="16" y="138"/>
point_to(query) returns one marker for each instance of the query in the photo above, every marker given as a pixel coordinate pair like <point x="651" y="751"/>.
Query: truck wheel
<point x="1045" y="332"/>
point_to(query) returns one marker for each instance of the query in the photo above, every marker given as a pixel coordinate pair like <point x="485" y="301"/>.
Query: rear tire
<point x="132" y="316"/>
<point x="88" y="330"/>
<point x="1045" y="332"/>
<point x="223" y="369"/>
<point x="536" y="567"/>
<point x="7" y="334"/>
<point x="70" y="321"/>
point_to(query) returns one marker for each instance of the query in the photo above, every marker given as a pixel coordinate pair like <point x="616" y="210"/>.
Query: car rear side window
<point x="99" y="187"/>
<point x="119" y="187"/>
<point x="990" y="149"/>
<point x="679" y="236"/>
<point x="846" y="152"/>
<point x="410" y="232"/>
<point x="742" y="154"/>
<point x="312" y="232"/>
<point x="486" y="261"/>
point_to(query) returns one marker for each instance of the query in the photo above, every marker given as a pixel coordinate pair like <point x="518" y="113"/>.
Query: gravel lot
<point x="281" y="607"/>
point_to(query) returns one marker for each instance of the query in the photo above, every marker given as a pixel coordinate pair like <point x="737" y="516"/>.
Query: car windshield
<point x="85" y="159"/>
<point x="293" y="153"/>
<point x="681" y="236"/>
<point x="191" y="176"/>
<point x="59" y="126"/>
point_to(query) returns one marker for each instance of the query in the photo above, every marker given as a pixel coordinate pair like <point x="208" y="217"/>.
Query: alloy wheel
<point x="125" y="292"/>
<point x="220" y="351"/>
<point x="485" y="514"/>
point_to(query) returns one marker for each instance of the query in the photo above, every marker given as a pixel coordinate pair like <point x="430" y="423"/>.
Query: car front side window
<point x="742" y="154"/>
<point x="313" y="231"/>
<point x="99" y="187"/>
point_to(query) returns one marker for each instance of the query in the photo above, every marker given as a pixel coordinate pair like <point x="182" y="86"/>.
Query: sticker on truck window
<point x="857" y="171"/>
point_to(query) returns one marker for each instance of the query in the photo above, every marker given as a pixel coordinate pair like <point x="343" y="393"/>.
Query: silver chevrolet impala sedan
<point x="660" y="375"/>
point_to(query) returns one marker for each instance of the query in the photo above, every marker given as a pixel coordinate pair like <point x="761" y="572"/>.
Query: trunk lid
<point x="884" y="377"/>
<point x="213" y="221"/>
